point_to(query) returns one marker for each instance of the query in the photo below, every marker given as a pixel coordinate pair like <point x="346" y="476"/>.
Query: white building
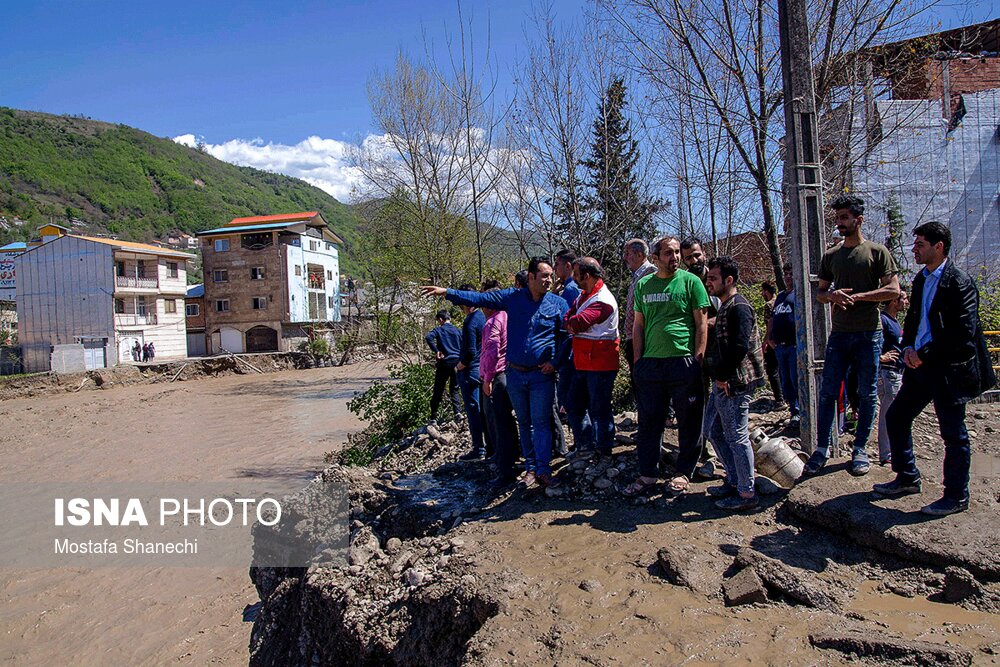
<point x="84" y="302"/>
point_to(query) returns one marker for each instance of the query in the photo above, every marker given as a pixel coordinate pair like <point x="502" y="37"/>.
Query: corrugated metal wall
<point x="65" y="289"/>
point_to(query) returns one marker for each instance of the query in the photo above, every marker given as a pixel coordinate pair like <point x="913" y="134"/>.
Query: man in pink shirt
<point x="497" y="408"/>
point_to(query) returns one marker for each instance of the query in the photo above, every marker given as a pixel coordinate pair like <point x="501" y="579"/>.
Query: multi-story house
<point x="267" y="280"/>
<point x="194" y="311"/>
<point x="85" y="302"/>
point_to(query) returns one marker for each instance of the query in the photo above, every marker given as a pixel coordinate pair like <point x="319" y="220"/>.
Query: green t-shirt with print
<point x="667" y="306"/>
<point x="860" y="269"/>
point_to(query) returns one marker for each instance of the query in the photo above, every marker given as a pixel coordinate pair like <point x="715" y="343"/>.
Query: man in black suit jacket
<point x="947" y="362"/>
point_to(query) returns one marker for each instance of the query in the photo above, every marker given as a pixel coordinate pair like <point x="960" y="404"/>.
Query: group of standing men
<point x="694" y="353"/>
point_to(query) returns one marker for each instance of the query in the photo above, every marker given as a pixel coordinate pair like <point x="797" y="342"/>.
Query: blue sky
<point x="281" y="71"/>
<point x="269" y="84"/>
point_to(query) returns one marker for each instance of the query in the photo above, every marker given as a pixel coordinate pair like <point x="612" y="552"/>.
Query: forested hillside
<point x="102" y="178"/>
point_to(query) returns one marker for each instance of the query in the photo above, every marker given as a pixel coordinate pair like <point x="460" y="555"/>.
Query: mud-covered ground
<point x="443" y="565"/>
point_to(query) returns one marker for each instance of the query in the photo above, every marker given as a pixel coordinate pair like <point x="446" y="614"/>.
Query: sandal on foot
<point x="639" y="487"/>
<point x="679" y="485"/>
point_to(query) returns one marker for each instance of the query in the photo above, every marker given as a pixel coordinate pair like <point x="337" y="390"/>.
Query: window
<point x="222" y="306"/>
<point x="192" y="310"/>
<point x="140" y="305"/>
<point x="257" y="273"/>
<point x="119" y="306"/>
<point x="329" y="246"/>
<point x="329" y="300"/>
<point x="298" y="270"/>
<point x="314" y="245"/>
<point x="329" y="274"/>
<point x="170" y="305"/>
<point x="119" y="268"/>
<point x="221" y="245"/>
<point x="140" y="269"/>
<point x="259" y="302"/>
<point x="220" y="275"/>
<point x="172" y="270"/>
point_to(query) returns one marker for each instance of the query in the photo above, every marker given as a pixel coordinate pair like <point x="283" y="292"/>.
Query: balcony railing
<point x="134" y="319"/>
<point x="131" y="282"/>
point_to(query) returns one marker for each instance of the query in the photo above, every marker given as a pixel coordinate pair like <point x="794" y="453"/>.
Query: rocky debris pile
<point x="427" y="448"/>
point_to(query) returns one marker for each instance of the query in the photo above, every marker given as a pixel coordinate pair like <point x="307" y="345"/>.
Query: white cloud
<point x="324" y="163"/>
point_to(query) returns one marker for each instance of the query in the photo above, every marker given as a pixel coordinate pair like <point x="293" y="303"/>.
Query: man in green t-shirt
<point x="669" y="337"/>
<point x="854" y="277"/>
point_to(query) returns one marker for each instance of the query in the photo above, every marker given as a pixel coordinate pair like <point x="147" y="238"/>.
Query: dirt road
<point x="273" y="427"/>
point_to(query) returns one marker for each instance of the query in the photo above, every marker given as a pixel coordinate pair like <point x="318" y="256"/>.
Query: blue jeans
<point x="889" y="381"/>
<point x="788" y="374"/>
<point x="592" y="395"/>
<point x="532" y="394"/>
<point x="920" y="387"/>
<point x="470" y="395"/>
<point x="726" y="425"/>
<point x="860" y="349"/>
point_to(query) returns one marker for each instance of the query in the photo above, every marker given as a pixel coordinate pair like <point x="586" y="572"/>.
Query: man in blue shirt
<point x="445" y="341"/>
<point x="566" y="400"/>
<point x="468" y="375"/>
<point x="535" y="337"/>
<point x="947" y="363"/>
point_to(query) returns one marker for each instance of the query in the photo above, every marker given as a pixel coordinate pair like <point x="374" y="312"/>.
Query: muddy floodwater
<point x="273" y="428"/>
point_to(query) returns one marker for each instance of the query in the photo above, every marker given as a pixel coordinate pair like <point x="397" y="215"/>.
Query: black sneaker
<point x="721" y="491"/>
<point x="897" y="488"/>
<point x="471" y="456"/>
<point x="738" y="503"/>
<point x="814" y="465"/>
<point x="859" y="467"/>
<point x="945" y="506"/>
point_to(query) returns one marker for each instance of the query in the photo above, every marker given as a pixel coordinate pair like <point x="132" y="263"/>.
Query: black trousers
<point x="678" y="379"/>
<point x="771" y="368"/>
<point x="501" y="427"/>
<point x="920" y="387"/>
<point x="444" y="373"/>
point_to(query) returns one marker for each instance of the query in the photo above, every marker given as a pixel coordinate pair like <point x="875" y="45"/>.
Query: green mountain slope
<point x="119" y="180"/>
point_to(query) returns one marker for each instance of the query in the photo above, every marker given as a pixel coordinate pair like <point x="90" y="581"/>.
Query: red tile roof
<point x="283" y="217"/>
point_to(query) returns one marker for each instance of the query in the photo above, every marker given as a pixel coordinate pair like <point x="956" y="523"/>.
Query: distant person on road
<point x="854" y="277"/>
<point x="669" y="334"/>
<point x="136" y="352"/>
<point x="152" y="350"/>
<point x="890" y="369"/>
<point x="593" y="321"/>
<point x="468" y="376"/>
<point x="445" y="341"/>
<point x="737" y="370"/>
<point x="636" y="258"/>
<point x="535" y="336"/>
<point x="947" y="363"/>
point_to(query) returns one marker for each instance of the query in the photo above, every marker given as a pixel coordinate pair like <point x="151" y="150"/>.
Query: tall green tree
<point x="616" y="202"/>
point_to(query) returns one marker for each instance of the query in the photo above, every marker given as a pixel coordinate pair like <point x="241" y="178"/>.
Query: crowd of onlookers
<point x="549" y="347"/>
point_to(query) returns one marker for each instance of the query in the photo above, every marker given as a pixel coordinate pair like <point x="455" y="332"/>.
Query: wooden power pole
<point x="804" y="226"/>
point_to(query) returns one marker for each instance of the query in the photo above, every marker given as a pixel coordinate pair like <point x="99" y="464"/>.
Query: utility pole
<point x="804" y="190"/>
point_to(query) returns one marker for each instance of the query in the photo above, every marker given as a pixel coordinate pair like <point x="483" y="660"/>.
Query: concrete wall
<point x="951" y="176"/>
<point x="298" y="291"/>
<point x="65" y="291"/>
